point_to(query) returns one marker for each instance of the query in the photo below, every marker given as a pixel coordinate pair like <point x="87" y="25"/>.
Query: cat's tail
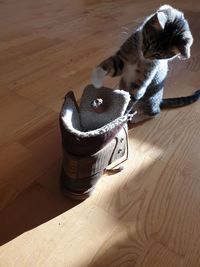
<point x="180" y="101"/>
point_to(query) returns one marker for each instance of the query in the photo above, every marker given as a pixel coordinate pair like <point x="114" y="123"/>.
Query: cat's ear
<point x="165" y="7"/>
<point x="159" y="20"/>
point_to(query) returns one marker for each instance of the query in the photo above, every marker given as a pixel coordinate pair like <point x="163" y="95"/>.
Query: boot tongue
<point x="101" y="106"/>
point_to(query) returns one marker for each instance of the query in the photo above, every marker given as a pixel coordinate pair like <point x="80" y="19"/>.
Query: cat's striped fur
<point x="142" y="62"/>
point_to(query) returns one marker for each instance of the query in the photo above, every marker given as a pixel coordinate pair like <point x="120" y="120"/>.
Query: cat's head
<point x="166" y="34"/>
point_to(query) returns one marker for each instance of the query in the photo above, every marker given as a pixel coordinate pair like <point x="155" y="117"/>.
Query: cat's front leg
<point x="137" y="92"/>
<point x="113" y="66"/>
<point x="139" y="85"/>
<point x="98" y="76"/>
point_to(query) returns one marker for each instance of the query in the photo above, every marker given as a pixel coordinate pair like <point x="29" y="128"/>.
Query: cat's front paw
<point x="98" y="76"/>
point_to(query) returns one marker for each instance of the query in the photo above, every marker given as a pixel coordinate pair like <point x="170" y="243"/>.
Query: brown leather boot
<point x="92" y="140"/>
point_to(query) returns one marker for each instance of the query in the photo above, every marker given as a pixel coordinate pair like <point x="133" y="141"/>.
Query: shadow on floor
<point x="35" y="206"/>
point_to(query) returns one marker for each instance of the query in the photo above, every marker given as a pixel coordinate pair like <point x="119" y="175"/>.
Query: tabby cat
<point x="142" y="62"/>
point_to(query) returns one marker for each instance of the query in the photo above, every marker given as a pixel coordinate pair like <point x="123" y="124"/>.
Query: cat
<point x="142" y="62"/>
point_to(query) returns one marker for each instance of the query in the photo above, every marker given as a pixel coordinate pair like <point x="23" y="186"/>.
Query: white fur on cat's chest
<point x="129" y="73"/>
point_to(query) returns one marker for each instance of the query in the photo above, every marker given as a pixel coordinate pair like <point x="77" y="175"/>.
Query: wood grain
<point x="148" y="215"/>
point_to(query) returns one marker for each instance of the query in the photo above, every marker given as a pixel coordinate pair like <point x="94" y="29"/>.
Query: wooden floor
<point x="146" y="216"/>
